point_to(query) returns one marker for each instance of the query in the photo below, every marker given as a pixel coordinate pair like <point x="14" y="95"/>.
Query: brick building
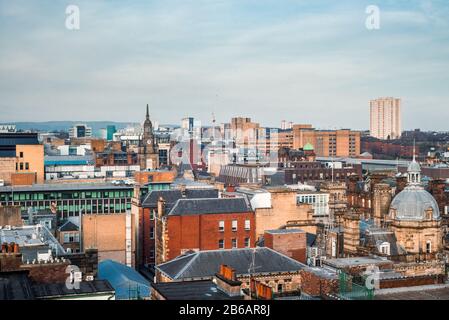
<point x="203" y="224"/>
<point x="21" y="158"/>
<point x="147" y="211"/>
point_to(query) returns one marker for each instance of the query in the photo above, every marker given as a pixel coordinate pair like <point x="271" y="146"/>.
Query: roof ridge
<point x="187" y="265"/>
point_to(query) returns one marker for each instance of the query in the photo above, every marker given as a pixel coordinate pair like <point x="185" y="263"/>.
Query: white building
<point x="385" y="118"/>
<point x="80" y="131"/>
<point x="318" y="200"/>
<point x="7" y="128"/>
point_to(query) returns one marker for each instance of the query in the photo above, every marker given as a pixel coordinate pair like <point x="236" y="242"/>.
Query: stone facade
<point x="292" y="243"/>
<point x="107" y="233"/>
<point x="284" y="211"/>
<point x="415" y="236"/>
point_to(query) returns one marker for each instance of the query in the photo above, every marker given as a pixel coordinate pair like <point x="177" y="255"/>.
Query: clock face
<point x="149" y="141"/>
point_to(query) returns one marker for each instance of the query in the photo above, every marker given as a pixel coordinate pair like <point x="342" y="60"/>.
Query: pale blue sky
<point x="305" y="61"/>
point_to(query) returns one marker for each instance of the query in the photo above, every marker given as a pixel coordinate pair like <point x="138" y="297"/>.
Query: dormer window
<point x="384" y="248"/>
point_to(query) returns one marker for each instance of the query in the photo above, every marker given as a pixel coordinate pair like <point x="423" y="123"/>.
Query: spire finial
<point x="148" y="112"/>
<point x="414" y="150"/>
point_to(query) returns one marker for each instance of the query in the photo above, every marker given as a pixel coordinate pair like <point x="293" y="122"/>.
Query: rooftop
<point x="284" y="231"/>
<point x="209" y="206"/>
<point x="12" y="139"/>
<point x="191" y="290"/>
<point x="171" y="196"/>
<point x="354" y="262"/>
<point x="32" y="240"/>
<point x="52" y="187"/>
<point x="59" y="290"/>
<point x="429" y="292"/>
<point x="204" y="264"/>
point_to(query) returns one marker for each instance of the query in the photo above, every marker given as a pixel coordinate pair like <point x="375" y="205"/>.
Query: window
<point x="234" y="225"/>
<point x="151" y="232"/>
<point x="385" y="248"/>
<point x="27" y="166"/>
<point x="247" y="224"/>
<point x="221" y="226"/>
<point x="234" y="243"/>
<point x="151" y="254"/>
<point x="21" y="154"/>
<point x="152" y="211"/>
<point x="280" y="288"/>
<point x="221" y="244"/>
<point x="429" y="246"/>
<point x="247" y="242"/>
<point x="21" y="166"/>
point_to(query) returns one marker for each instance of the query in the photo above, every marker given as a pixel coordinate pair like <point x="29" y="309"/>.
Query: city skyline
<point x="307" y="63"/>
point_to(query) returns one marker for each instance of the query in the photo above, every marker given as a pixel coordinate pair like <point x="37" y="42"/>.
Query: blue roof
<point x="126" y="281"/>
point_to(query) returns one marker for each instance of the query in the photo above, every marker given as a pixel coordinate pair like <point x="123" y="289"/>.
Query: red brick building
<point x="204" y="224"/>
<point x="147" y="210"/>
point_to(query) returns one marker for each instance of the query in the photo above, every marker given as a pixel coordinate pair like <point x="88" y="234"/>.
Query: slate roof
<point x="15" y="286"/>
<point x="310" y="238"/>
<point x="205" y="264"/>
<point x="68" y="226"/>
<point x="377" y="238"/>
<point x="56" y="290"/>
<point x="191" y="290"/>
<point x="204" y="206"/>
<point x="171" y="196"/>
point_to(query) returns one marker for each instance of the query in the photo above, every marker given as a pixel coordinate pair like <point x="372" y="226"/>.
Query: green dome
<point x="308" y="147"/>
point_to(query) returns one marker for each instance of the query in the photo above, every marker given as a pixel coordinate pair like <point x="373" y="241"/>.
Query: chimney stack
<point x="160" y="207"/>
<point x="261" y="291"/>
<point x="226" y="281"/>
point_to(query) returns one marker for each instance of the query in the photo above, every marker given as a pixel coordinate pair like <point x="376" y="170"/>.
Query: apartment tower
<point x="385" y="118"/>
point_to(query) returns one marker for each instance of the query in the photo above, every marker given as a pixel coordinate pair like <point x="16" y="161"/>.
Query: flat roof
<point x="191" y="290"/>
<point x="429" y="292"/>
<point x="354" y="261"/>
<point x="50" y="187"/>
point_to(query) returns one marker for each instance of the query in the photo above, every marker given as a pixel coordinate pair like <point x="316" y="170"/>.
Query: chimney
<point x="4" y="247"/>
<point x="227" y="282"/>
<point x="261" y="291"/>
<point x="160" y="207"/>
<point x="11" y="247"/>
<point x="16" y="248"/>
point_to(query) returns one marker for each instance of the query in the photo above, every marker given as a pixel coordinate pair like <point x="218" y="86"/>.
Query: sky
<point x="271" y="60"/>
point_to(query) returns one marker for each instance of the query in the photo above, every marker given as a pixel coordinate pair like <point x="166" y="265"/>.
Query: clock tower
<point x="148" y="150"/>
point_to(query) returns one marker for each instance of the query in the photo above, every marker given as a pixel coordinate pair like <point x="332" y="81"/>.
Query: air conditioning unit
<point x="89" y="278"/>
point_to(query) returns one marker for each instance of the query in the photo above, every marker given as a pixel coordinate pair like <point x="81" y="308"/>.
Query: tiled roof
<point x="204" y="264"/>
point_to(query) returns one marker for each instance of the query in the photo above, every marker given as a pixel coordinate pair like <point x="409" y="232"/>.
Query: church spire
<point x="148" y="113"/>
